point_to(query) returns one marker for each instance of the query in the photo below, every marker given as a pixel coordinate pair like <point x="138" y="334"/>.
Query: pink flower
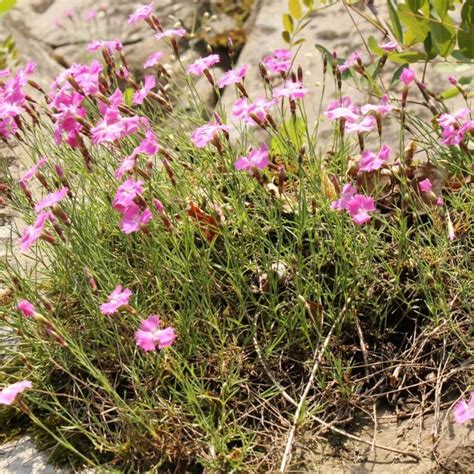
<point x="153" y="59"/>
<point x="201" y="64"/>
<point x="407" y="76"/>
<point x="90" y="14"/>
<point x="110" y="45"/>
<point x="26" y="308"/>
<point x="52" y="199"/>
<point x="126" y="165"/>
<point x="149" y="145"/>
<point x="359" y="207"/>
<point x="87" y="76"/>
<point x="33" y="232"/>
<point x="133" y="217"/>
<point x="113" y="127"/>
<point x="148" y="84"/>
<point x="119" y="297"/>
<point x="158" y="206"/>
<point x="256" y="159"/>
<point x="149" y="336"/>
<point x="453" y="80"/>
<point x="278" y="62"/>
<point x="205" y="134"/>
<point x="9" y="394"/>
<point x="353" y="59"/>
<point x="5" y="72"/>
<point x="370" y="161"/>
<point x="464" y="411"/>
<point x="126" y="193"/>
<point x="233" y="76"/>
<point x="292" y="90"/>
<point x="259" y="109"/>
<point x="32" y="171"/>
<point x="446" y="120"/>
<point x="342" y="108"/>
<point x="383" y="108"/>
<point x="171" y="33"/>
<point x="367" y="124"/>
<point x="425" y="186"/>
<point x="347" y="192"/>
<point x="389" y="46"/>
<point x="141" y="13"/>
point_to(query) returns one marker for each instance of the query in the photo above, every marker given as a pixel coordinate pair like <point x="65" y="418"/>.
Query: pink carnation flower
<point x="233" y="76"/>
<point x="9" y="394"/>
<point x="153" y="59"/>
<point x="52" y="199"/>
<point x="133" y="217"/>
<point x="389" y="46"/>
<point x="359" y="207"/>
<point x="171" y="33"/>
<point x="119" y="297"/>
<point x="367" y="124"/>
<point x="292" y="90"/>
<point x="201" y="64"/>
<point x="353" y="59"/>
<point x="256" y="159"/>
<point x="148" y="337"/>
<point x="259" y="108"/>
<point x="113" y="127"/>
<point x="407" y="76"/>
<point x="126" y="194"/>
<point x="278" y="62"/>
<point x="26" y="308"/>
<point x="425" y="186"/>
<point x="141" y="13"/>
<point x="110" y="45"/>
<point x="33" y="232"/>
<point x="370" y="161"/>
<point x="126" y="165"/>
<point x="148" y="84"/>
<point x="347" y="192"/>
<point x="149" y="145"/>
<point x="205" y="134"/>
<point x="342" y="108"/>
<point x="464" y="411"/>
<point x="5" y="72"/>
<point x="32" y="171"/>
<point x="383" y="108"/>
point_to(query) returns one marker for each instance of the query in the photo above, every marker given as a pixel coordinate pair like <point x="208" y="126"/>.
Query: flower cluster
<point x="357" y="206"/>
<point x="455" y="127"/>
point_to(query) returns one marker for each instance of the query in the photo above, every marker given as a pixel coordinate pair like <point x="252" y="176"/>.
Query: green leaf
<point x="467" y="12"/>
<point x="417" y="24"/>
<point x="396" y="26"/>
<point x="374" y="47"/>
<point x="449" y="93"/>
<point x="415" y="5"/>
<point x="295" y="9"/>
<point x="128" y="96"/>
<point x="288" y="23"/>
<point x="466" y="40"/>
<point x="407" y="57"/>
<point x="429" y="47"/>
<point x="308" y="4"/>
<point x="6" y="5"/>
<point x="440" y="7"/>
<point x="286" y="37"/>
<point x="293" y="131"/>
<point x="443" y="35"/>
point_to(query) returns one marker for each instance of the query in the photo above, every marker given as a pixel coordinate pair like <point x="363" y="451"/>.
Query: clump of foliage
<point x="192" y="299"/>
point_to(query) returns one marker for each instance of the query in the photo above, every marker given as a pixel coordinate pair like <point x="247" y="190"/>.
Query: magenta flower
<point x="407" y="76"/>
<point x="126" y="193"/>
<point x="201" y="64"/>
<point x="383" y="108"/>
<point x="347" y="192"/>
<point x="292" y="90"/>
<point x="359" y="207"/>
<point x="33" y="232"/>
<point x="205" y="134"/>
<point x="367" y="124"/>
<point x="278" y="62"/>
<point x="425" y="186"/>
<point x="259" y="109"/>
<point x="464" y="411"/>
<point x="143" y="12"/>
<point x="389" y="46"/>
<point x="353" y="59"/>
<point x="370" y="161"/>
<point x="149" y="145"/>
<point x="158" y="206"/>
<point x="126" y="165"/>
<point x="233" y="76"/>
<point x="133" y="217"/>
<point x="153" y="59"/>
<point x="171" y="33"/>
<point x="342" y="108"/>
<point x="9" y="394"/>
<point x="113" y="127"/>
<point x="32" y="171"/>
<point x="110" y="45"/>
<point x="447" y="120"/>
<point x="26" y="308"/>
<point x="258" y="158"/>
<point x="5" y="72"/>
<point x="453" y="80"/>
<point x="52" y="199"/>
<point x="148" y="84"/>
<point x="86" y="76"/>
<point x="148" y="337"/>
<point x="119" y="297"/>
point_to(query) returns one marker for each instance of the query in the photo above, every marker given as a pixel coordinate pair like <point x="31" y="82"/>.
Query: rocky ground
<point x="43" y="32"/>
